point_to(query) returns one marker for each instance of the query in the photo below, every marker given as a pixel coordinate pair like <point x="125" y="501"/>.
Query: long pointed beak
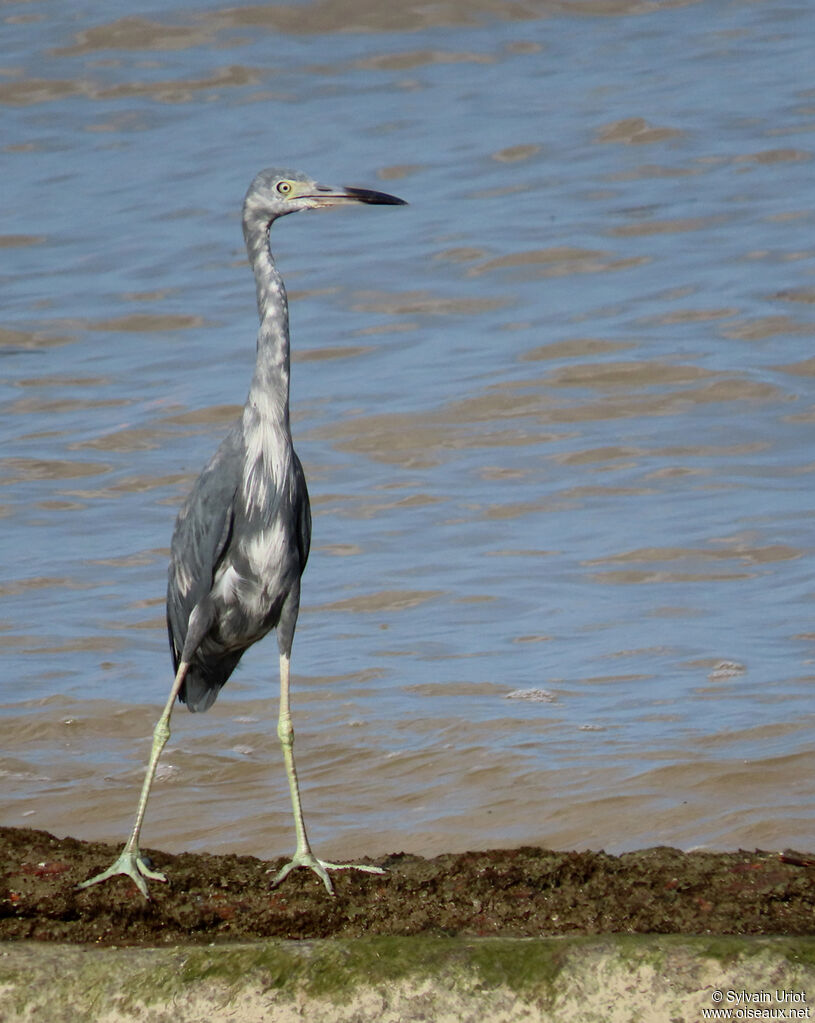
<point x="325" y="196"/>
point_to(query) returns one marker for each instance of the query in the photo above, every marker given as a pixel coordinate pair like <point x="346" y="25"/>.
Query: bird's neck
<point x="269" y="391"/>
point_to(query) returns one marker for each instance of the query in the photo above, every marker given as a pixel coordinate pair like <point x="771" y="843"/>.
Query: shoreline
<point x="526" y="892"/>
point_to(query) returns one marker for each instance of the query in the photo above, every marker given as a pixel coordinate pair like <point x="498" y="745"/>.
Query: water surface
<point x="556" y="417"/>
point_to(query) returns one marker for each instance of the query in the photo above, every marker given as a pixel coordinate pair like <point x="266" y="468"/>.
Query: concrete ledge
<point x="609" y="979"/>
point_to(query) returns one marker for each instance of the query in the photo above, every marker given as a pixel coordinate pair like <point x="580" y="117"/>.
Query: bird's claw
<point x="320" y="868"/>
<point x="132" y="864"/>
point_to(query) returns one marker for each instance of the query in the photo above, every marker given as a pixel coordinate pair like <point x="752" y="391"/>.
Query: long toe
<point x="320" y="868"/>
<point x="354" y="866"/>
<point x="131" y="864"/>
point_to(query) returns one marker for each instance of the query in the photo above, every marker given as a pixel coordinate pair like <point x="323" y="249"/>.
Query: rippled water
<point x="556" y="416"/>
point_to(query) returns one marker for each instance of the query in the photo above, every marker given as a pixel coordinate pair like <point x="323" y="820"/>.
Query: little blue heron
<point x="242" y="536"/>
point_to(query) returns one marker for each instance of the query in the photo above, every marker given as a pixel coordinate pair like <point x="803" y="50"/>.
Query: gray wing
<point x="301" y="521"/>
<point x="302" y="511"/>
<point x="201" y="536"/>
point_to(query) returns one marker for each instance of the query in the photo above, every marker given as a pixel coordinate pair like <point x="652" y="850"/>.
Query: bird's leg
<point x="303" y="856"/>
<point x="131" y="862"/>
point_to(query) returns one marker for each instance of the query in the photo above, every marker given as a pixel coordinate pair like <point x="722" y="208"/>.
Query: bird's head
<point x="275" y="192"/>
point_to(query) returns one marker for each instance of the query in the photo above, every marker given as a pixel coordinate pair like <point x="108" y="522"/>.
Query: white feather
<point x="183" y="578"/>
<point x="264" y="552"/>
<point x="226" y="583"/>
<point x="268" y="452"/>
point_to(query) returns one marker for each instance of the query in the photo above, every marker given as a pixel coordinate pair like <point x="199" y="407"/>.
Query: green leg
<point x="130" y="862"/>
<point x="303" y="856"/>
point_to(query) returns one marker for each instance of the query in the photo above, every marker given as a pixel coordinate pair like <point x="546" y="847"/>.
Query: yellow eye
<point x="283" y="187"/>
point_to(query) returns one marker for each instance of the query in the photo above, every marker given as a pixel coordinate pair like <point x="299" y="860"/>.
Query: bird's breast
<point x="268" y="456"/>
<point x="265" y="551"/>
<point x="256" y="576"/>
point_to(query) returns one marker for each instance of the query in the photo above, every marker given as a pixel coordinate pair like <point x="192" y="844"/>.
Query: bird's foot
<point x="320" y="868"/>
<point x="132" y="864"/>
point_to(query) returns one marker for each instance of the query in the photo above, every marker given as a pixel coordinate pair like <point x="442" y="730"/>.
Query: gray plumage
<point x="221" y="544"/>
<point x="242" y="536"/>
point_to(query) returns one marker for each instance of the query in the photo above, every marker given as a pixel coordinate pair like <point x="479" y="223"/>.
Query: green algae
<point x="74" y="983"/>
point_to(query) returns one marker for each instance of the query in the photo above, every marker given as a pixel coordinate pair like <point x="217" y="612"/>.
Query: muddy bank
<point x="525" y="892"/>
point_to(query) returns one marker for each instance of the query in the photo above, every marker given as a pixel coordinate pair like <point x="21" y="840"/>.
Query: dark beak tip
<point x="374" y="198"/>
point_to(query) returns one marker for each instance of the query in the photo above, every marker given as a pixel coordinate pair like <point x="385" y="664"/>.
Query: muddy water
<point x="556" y="417"/>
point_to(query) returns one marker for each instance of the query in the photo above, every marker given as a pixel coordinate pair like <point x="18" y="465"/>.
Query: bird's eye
<point x="283" y="187"/>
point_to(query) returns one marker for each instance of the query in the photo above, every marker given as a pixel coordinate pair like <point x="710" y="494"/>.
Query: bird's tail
<point x="202" y="683"/>
<point x="197" y="693"/>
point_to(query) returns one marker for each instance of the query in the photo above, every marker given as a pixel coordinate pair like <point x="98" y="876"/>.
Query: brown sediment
<point x="523" y="892"/>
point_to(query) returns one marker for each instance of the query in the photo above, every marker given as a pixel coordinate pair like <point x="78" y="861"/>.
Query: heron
<point x="242" y="536"/>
